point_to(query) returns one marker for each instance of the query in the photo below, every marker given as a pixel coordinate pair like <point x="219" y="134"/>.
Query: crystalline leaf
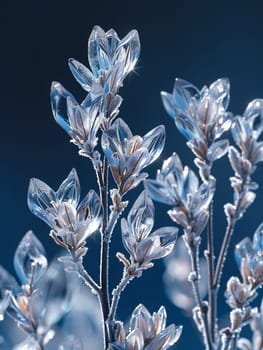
<point x="159" y="192"/>
<point x="51" y="301"/>
<point x="217" y="150"/>
<point x="258" y="241"/>
<point x="30" y="261"/>
<point x="98" y="51"/>
<point x="90" y="206"/>
<point x="69" y="190"/>
<point x="113" y="40"/>
<point x="134" y="340"/>
<point x="154" y="142"/>
<point x="142" y="319"/>
<point x="185" y="126"/>
<point x="219" y="90"/>
<point x="141" y="216"/>
<point x="159" y="319"/>
<point x="189" y="183"/>
<point x="81" y="73"/>
<point x="241" y="130"/>
<point x="114" y="79"/>
<point x="235" y="160"/>
<point x="172" y="164"/>
<point x="39" y="199"/>
<point x="7" y="282"/>
<point x="168" y="104"/>
<point x="247" y="200"/>
<point x="244" y="344"/>
<point x="244" y="249"/>
<point x="183" y="93"/>
<point x="166" y="241"/>
<point x="254" y="114"/>
<point x="165" y="338"/>
<point x="131" y="46"/>
<point x="59" y="97"/>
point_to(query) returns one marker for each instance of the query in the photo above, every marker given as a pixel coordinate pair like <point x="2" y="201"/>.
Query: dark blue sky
<point x="199" y="41"/>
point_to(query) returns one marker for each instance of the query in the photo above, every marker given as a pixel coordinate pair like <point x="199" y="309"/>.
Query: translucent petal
<point x="59" y="97"/>
<point x="258" y="241"/>
<point x="141" y="216"/>
<point x="113" y="40"/>
<point x="81" y="73"/>
<point x="219" y="90"/>
<point x="142" y="319"/>
<point x="172" y="164"/>
<point x="39" y="199"/>
<point x="30" y="261"/>
<point x="159" y="192"/>
<point x="167" y="237"/>
<point x="90" y="206"/>
<point x="185" y="126"/>
<point x="128" y="239"/>
<point x="98" y="51"/>
<point x="183" y="93"/>
<point x="168" y="104"/>
<point x="131" y="46"/>
<point x="52" y="299"/>
<point x="165" y="338"/>
<point x="159" y="319"/>
<point x="154" y="142"/>
<point x="254" y="114"/>
<point x="235" y="160"/>
<point x="69" y="190"/>
<point x="244" y="249"/>
<point x="134" y="340"/>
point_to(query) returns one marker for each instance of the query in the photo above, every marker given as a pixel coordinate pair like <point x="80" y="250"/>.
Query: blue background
<point x="199" y="41"/>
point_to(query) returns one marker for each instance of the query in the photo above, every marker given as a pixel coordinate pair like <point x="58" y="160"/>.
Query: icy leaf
<point x="141" y="216"/>
<point x="219" y="90"/>
<point x="254" y="114"/>
<point x="59" y="96"/>
<point x="131" y="46"/>
<point x="29" y="344"/>
<point x="52" y="298"/>
<point x="217" y="150"/>
<point x="134" y="340"/>
<point x="244" y="249"/>
<point x="7" y="282"/>
<point x="81" y="73"/>
<point x="154" y="142"/>
<point x="30" y="261"/>
<point x="165" y="338"/>
<point x="69" y="190"/>
<point x="258" y="241"/>
<point x="39" y="197"/>
<point x="4" y="302"/>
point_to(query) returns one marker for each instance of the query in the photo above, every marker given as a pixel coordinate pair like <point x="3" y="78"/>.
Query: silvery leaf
<point x="98" y="51"/>
<point x="134" y="340"/>
<point x="130" y="45"/>
<point x="141" y="319"/>
<point x="217" y="150"/>
<point x="39" y="199"/>
<point x="154" y="142"/>
<point x="219" y="90"/>
<point x="30" y="261"/>
<point x="258" y="240"/>
<point x="90" y="206"/>
<point x="254" y="114"/>
<point x="59" y="96"/>
<point x="165" y="338"/>
<point x="244" y="250"/>
<point x="81" y="73"/>
<point x="159" y="192"/>
<point x="141" y="216"/>
<point x="69" y="190"/>
<point x="51" y="300"/>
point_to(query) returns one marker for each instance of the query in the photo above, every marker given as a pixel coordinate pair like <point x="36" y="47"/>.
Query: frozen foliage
<point x="60" y="305"/>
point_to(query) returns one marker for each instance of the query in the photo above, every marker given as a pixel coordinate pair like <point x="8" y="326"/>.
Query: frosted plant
<point x="47" y="303"/>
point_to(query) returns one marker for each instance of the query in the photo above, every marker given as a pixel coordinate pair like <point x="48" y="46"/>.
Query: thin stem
<point x="223" y="253"/>
<point x="88" y="279"/>
<point x="194" y="279"/>
<point x="210" y="267"/>
<point x="126" y="278"/>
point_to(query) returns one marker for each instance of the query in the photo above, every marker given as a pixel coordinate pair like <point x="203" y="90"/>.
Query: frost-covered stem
<point x="104" y="255"/>
<point x="233" y="342"/>
<point x="223" y="253"/>
<point x="116" y="293"/>
<point x="194" y="279"/>
<point x="210" y="265"/>
<point x="84" y="275"/>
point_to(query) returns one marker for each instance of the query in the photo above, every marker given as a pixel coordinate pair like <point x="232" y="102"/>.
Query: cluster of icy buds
<point x="201" y="117"/>
<point x="146" y="331"/>
<point x="245" y="131"/>
<point x="179" y="187"/>
<point x="71" y="222"/>
<point x="128" y="154"/>
<point x="142" y="244"/>
<point x="110" y="60"/>
<point x="43" y="296"/>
